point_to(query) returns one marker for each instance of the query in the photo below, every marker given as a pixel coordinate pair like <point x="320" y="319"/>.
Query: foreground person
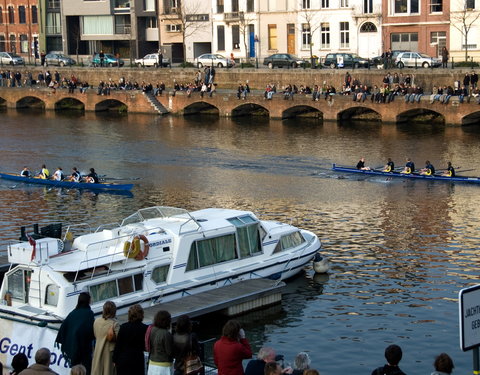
<point x="42" y="363"/>
<point x="231" y="349"/>
<point x="393" y="355"/>
<point x="443" y="365"/>
<point x="106" y="330"/>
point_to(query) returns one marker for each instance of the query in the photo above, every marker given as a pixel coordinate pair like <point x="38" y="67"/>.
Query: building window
<point x="325" y="35"/>
<point x="173" y="28"/>
<point x="1" y="15"/>
<point x="306" y="36"/>
<point x="122" y="24"/>
<point x="325" y="3"/>
<point x="250" y="5"/>
<point x="436" y="6"/>
<point x="2" y="43"/>
<point x="234" y="5"/>
<point x="272" y="37"/>
<point x="305" y="4"/>
<point x="21" y="14"/>
<point x="470" y="4"/>
<point x="23" y="43"/>
<point x="13" y="44"/>
<point x="236" y="37"/>
<point x="344" y="35"/>
<point x="368" y="27"/>
<point x="220" y="6"/>
<point x="34" y="14"/>
<point x="406" y="6"/>
<point x="221" y="38"/>
<point x="149" y="5"/>
<point x="343" y="3"/>
<point x="53" y="24"/>
<point x="11" y="15"/>
<point x="152" y="22"/>
<point x="367" y="6"/>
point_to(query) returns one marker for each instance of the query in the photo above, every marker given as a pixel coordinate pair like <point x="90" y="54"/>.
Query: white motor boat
<point x="156" y="255"/>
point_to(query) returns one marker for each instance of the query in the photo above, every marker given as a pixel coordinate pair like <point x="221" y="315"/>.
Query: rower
<point x="429" y="170"/>
<point x="45" y="173"/>
<point x="75" y="176"/>
<point x="409" y="167"/>
<point x="25" y="172"/>
<point x="361" y="165"/>
<point x="450" y="172"/>
<point x="92" y="177"/>
<point x="390" y="166"/>
<point x="58" y="175"/>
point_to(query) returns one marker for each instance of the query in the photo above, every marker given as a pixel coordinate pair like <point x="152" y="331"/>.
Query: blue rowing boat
<point x="65" y="183"/>
<point x="376" y="172"/>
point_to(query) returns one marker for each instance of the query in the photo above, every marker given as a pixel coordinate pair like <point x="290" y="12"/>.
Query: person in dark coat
<point x="393" y="355"/>
<point x="75" y="337"/>
<point x="19" y="363"/>
<point x="184" y="343"/>
<point x="128" y="353"/>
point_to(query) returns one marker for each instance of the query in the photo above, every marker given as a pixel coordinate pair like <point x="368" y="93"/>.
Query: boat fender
<point x="428" y="172"/>
<point x="388" y="169"/>
<point x="33" y="243"/>
<point x="408" y="170"/>
<point x="89" y="180"/>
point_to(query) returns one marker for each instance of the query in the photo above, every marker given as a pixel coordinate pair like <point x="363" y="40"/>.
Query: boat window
<point x="115" y="288"/>
<point x="19" y="284"/>
<point x="104" y="291"/>
<point x="51" y="295"/>
<point x="289" y="241"/>
<point x="211" y="251"/>
<point x="159" y="274"/>
<point x="247" y="235"/>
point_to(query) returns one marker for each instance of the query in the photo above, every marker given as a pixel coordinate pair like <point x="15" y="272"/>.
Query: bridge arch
<point x="302" y="111"/>
<point x="249" y="109"/>
<point x="3" y="102"/>
<point x="30" y="102"/>
<point x="111" y="105"/>
<point x="359" y="113"/>
<point x="69" y="104"/>
<point x="421" y="115"/>
<point x="203" y="108"/>
<point x="471" y="119"/>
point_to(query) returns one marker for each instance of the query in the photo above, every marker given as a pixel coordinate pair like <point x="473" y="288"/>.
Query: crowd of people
<point x="58" y="175"/>
<point x="428" y="170"/>
<point x="102" y="346"/>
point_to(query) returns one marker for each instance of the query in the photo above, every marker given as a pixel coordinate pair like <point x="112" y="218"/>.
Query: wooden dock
<point x="232" y="299"/>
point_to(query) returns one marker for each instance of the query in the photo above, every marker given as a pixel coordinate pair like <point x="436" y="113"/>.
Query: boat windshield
<point x="155" y="212"/>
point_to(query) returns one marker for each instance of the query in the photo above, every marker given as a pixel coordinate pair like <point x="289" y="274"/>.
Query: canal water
<point x="400" y="251"/>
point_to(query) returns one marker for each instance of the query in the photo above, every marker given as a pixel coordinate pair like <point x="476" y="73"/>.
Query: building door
<point x="251" y="40"/>
<point x="291" y="38"/>
<point x="369" y="41"/>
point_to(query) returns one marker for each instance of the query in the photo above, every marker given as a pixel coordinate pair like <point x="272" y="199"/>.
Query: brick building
<point x="414" y="25"/>
<point x="19" y="27"/>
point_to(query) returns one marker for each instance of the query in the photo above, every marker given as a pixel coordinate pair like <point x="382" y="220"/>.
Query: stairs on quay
<point x="159" y="107"/>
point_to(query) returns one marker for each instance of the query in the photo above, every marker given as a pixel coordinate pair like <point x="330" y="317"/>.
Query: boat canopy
<point x="159" y="212"/>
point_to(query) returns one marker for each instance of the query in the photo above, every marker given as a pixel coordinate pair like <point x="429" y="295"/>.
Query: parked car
<point x="283" y="59"/>
<point x="58" y="59"/>
<point x="413" y="59"/>
<point x="152" y="59"/>
<point x="378" y="60"/>
<point x="345" y="60"/>
<point x="9" y="58"/>
<point x="108" y="60"/>
<point x="213" y="59"/>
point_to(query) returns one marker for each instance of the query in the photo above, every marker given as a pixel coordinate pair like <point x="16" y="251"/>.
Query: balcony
<point x="233" y="16"/>
<point x="53" y="5"/>
<point x="122" y="29"/>
<point x="122" y="6"/>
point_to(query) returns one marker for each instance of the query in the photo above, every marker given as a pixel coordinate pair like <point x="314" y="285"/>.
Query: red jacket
<point x="228" y="355"/>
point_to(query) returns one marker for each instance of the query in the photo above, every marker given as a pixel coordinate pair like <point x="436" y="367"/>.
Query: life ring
<point x="134" y="249"/>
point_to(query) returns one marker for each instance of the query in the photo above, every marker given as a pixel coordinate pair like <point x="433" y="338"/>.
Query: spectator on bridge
<point x="449" y="94"/>
<point x="374" y="94"/>
<point x="315" y="93"/>
<point x="212" y="87"/>
<point x="462" y="93"/>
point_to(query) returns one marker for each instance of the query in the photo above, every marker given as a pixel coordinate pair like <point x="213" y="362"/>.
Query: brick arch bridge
<point x="225" y="104"/>
<point x="19" y="97"/>
<point x="340" y="108"/>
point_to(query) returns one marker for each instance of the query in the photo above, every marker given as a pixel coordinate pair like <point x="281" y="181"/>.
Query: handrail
<point x="105" y="226"/>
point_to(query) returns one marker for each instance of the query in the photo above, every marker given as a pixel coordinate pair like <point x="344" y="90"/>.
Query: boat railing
<point x="180" y="230"/>
<point x="72" y="227"/>
<point x="107" y="226"/>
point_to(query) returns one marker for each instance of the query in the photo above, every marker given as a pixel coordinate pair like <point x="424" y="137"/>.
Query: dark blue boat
<point x="66" y="184"/>
<point x="376" y="172"/>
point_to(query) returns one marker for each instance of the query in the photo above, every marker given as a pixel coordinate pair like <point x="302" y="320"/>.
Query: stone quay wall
<point x="257" y="78"/>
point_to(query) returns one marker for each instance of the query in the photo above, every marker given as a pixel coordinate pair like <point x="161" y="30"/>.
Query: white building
<point x="465" y="15"/>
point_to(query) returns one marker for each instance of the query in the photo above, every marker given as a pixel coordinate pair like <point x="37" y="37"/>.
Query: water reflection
<point x="399" y="250"/>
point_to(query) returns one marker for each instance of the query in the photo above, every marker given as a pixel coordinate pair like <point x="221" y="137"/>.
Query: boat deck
<point x="235" y="299"/>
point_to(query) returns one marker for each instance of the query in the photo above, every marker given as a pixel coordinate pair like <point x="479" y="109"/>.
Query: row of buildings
<point x="250" y="29"/>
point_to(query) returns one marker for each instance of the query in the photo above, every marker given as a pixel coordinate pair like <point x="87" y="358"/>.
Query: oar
<point x="465" y="170"/>
<point x="104" y="178"/>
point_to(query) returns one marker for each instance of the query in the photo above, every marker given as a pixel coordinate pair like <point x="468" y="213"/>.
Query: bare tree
<point x="464" y="19"/>
<point x="311" y="24"/>
<point x="191" y="18"/>
<point x="244" y="25"/>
